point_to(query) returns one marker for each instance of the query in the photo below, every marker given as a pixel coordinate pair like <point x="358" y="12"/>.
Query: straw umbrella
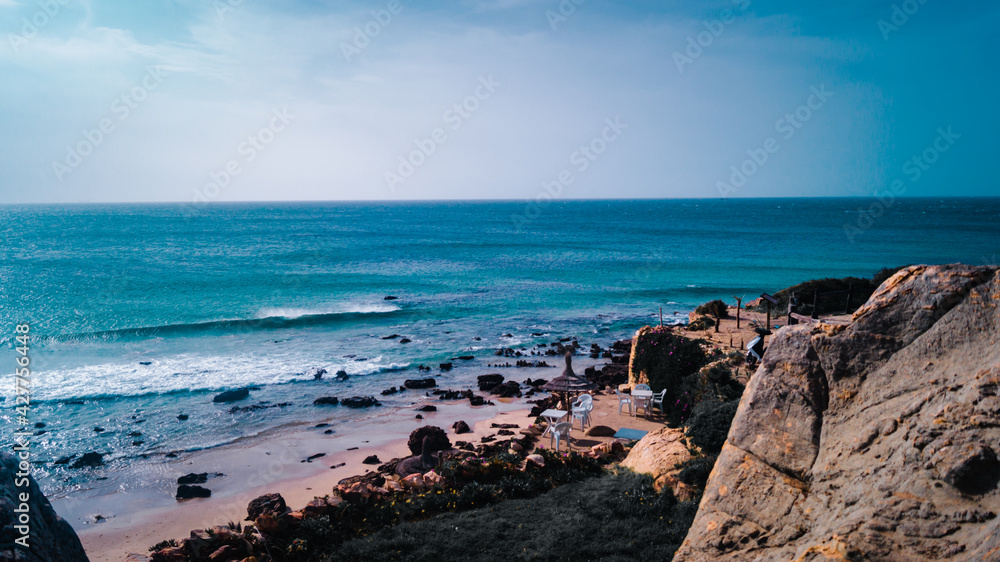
<point x="568" y="383"/>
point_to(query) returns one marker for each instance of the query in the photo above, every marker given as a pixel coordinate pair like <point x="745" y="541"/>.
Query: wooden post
<point x="718" y="320"/>
<point x="815" y="311"/>
<point x="661" y="316"/>
<point x="739" y="305"/>
<point x="847" y="305"/>
<point x="768" y="314"/>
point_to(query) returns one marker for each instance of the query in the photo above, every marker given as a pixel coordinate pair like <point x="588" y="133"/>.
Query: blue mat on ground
<point x="631" y="434"/>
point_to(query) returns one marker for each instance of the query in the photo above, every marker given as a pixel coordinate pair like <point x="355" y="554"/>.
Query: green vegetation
<point x="700" y="323"/>
<point x="861" y="290"/>
<point x="715" y="308"/>
<point x="614" y="517"/>
<point x="671" y="361"/>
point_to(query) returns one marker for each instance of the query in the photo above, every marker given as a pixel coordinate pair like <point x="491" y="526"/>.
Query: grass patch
<point x="613" y="517"/>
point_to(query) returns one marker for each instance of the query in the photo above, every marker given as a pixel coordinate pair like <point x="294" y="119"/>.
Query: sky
<point x="266" y="100"/>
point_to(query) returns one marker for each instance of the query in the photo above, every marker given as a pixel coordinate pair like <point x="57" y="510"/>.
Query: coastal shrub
<point x="714" y="308"/>
<point x="861" y="290"/>
<point x="573" y="521"/>
<point x="670" y="361"/>
<point x="700" y="323"/>
<point x="696" y="471"/>
<point x="709" y="423"/>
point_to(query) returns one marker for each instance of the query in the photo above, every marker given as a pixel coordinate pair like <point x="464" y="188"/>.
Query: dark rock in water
<point x="489" y="382"/>
<point x="466" y="357"/>
<point x="418" y="416"/>
<point x="508" y="389"/>
<point x="420" y="383"/>
<point x="182" y="417"/>
<point x="193" y="478"/>
<point x="405" y="340"/>
<point x="342" y="375"/>
<point x="392" y="337"/>
<point x="49" y="536"/>
<point x="423" y="368"/>
<point x="438" y="439"/>
<point x="255" y="407"/>
<point x="171" y="455"/>
<point x="232" y="396"/>
<point x="311" y="458"/>
<point x="460" y="427"/>
<point x="186" y="492"/>
<point x="145" y="362"/>
<point x="135" y="434"/>
<point x="75" y="402"/>
<point x="137" y="443"/>
<point x="64" y="460"/>
<point x="41" y="432"/>
<point x="477" y="401"/>
<point x="389" y="298"/>
<point x="321" y="425"/>
<point x="317" y="373"/>
<point x="39" y="425"/>
<point x="389" y="391"/>
<point x="328" y="432"/>
<point x="477" y="338"/>
<point x="90" y="460"/>
<point x="445" y="366"/>
<point x="352" y="448"/>
<point x="507" y="336"/>
<point x="360" y="402"/>
<point x="268" y="504"/>
<point x="98" y="430"/>
<point x="427" y="408"/>
<point x="536" y="334"/>
<point x="326" y="401"/>
<point x="372" y="459"/>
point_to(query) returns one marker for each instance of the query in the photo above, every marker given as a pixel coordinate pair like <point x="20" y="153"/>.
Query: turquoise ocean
<point x="141" y="312"/>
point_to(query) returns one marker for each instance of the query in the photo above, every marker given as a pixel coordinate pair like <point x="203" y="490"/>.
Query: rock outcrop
<point x="658" y="454"/>
<point x="872" y="441"/>
<point x="49" y="537"/>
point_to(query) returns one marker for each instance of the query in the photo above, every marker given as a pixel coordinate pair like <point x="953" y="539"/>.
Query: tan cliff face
<point x="873" y="441"/>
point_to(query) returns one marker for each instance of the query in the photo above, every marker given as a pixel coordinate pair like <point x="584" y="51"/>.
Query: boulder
<point x="509" y="389"/>
<point x="438" y="439"/>
<point x="371" y="459"/>
<point x="427" y="408"/>
<point x="360" y="402"/>
<point x="49" y="537"/>
<point x="489" y="382"/>
<point x="232" y="396"/>
<point x="326" y="401"/>
<point x="460" y="427"/>
<point x="445" y="366"/>
<point x="186" y="492"/>
<point x="88" y="460"/>
<point x="420" y="383"/>
<point x="657" y="454"/>
<point x="601" y="431"/>
<point x="193" y="478"/>
<point x="872" y="440"/>
<point x="268" y="504"/>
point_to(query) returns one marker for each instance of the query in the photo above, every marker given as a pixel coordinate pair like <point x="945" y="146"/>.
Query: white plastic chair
<point x="582" y="408"/>
<point x="642" y="387"/>
<point x="560" y="432"/>
<point x="622" y="400"/>
<point x="658" y="401"/>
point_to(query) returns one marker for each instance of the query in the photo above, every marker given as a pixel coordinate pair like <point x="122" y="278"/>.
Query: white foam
<point x="351" y="308"/>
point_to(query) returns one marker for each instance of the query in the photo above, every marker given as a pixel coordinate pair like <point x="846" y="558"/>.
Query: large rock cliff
<point x="49" y="537"/>
<point x="873" y="441"/>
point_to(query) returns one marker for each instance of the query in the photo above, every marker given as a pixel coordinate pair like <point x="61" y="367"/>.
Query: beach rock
<point x="477" y="401"/>
<point x="445" y="366"/>
<point x="224" y="553"/>
<point x="405" y="340"/>
<point x="232" y="396"/>
<point x="874" y="440"/>
<point x="371" y="459"/>
<point x="460" y="427"/>
<point x="326" y="401"/>
<point x="390" y="391"/>
<point x="49" y="537"/>
<point x="182" y="417"/>
<point x="601" y="431"/>
<point x="186" y="492"/>
<point x="509" y="389"/>
<point x="420" y="383"/>
<point x="316" y="373"/>
<point x="466" y="357"/>
<point x="391" y="337"/>
<point x="360" y="402"/>
<point x="193" y="478"/>
<point x="657" y="454"/>
<point x="390" y="298"/>
<point x="268" y="504"/>
<point x="427" y="408"/>
<point x="489" y="382"/>
<point x="88" y="460"/>
<point x="536" y="459"/>
<point x="342" y="375"/>
<point x="438" y="439"/>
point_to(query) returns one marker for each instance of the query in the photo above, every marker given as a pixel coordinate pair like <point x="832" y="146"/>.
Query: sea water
<point x="139" y="313"/>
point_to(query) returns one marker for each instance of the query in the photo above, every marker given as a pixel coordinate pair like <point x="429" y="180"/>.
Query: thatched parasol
<point x="568" y="383"/>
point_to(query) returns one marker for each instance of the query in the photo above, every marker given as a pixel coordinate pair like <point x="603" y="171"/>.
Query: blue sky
<point x="484" y="99"/>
